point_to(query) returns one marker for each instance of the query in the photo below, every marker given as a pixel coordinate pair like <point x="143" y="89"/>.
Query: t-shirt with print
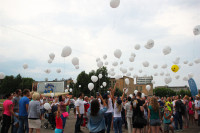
<point x="79" y="103"/>
<point x="129" y="112"/>
<point x="22" y="106"/>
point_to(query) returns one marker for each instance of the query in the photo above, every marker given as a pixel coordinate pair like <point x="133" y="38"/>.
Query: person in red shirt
<point x="86" y="107"/>
<point x="59" y="122"/>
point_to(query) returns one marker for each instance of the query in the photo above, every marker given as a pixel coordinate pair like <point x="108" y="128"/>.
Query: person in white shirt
<point x="79" y="112"/>
<point x="129" y="114"/>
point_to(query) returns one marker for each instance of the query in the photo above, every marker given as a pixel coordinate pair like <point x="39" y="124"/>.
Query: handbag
<point x="140" y="120"/>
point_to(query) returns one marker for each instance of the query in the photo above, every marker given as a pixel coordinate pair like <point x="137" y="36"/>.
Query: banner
<point x="50" y="87"/>
<point x="193" y="87"/>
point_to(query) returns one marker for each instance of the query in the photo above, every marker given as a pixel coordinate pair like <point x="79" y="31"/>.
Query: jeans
<point x="199" y="120"/>
<point x="129" y="123"/>
<point x="14" y="129"/>
<point x="64" y="121"/>
<point x="78" y="123"/>
<point x="108" y="120"/>
<point x="23" y="120"/>
<point x="6" y="123"/>
<point x="178" y="119"/>
<point x="117" y="122"/>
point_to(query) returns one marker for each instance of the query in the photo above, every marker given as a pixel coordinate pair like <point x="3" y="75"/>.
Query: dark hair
<point x="60" y="99"/>
<point x="192" y="99"/>
<point x="8" y="95"/>
<point x="25" y="91"/>
<point x="129" y="98"/>
<point x="17" y="91"/>
<point x="94" y="107"/>
<point x="80" y="94"/>
<point x="139" y="94"/>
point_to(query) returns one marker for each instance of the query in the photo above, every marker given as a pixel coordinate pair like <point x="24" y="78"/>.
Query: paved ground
<point x="70" y="125"/>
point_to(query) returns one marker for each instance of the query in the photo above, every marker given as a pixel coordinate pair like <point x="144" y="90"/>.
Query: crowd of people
<point x="23" y="112"/>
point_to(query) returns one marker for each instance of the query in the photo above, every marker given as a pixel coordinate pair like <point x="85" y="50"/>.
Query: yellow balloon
<point x="175" y="68"/>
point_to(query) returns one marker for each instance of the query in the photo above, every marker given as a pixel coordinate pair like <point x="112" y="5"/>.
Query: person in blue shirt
<point x="23" y="112"/>
<point x="96" y="122"/>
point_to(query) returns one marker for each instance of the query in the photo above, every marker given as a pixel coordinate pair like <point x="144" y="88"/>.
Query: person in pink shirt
<point x="7" y="112"/>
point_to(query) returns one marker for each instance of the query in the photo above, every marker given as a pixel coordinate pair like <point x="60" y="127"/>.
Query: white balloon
<point x="197" y="61"/>
<point x="25" y="66"/>
<point x="47" y="71"/>
<point x="112" y="69"/>
<point x="135" y="76"/>
<point x="112" y="73"/>
<point x="133" y="54"/>
<point x="2" y="75"/>
<point x="177" y="76"/>
<point x="185" y="78"/>
<point x="124" y="70"/>
<point x="47" y="106"/>
<point x="150" y="44"/>
<point x="153" y="82"/>
<point x="66" y="51"/>
<point x="105" y="57"/>
<point x="46" y="79"/>
<point x="135" y="91"/>
<point x="106" y="63"/>
<point x="101" y="86"/>
<point x="75" y="61"/>
<point x="90" y="86"/>
<point x="77" y="66"/>
<point x="176" y="62"/>
<point x="114" y="3"/>
<point x="143" y="95"/>
<point x="128" y="74"/>
<point x="131" y="59"/>
<point x="127" y="81"/>
<point x="137" y="47"/>
<point x="196" y="30"/>
<point x="94" y="79"/>
<point x="58" y="70"/>
<point x="97" y="59"/>
<point x="131" y="68"/>
<point x="115" y="63"/>
<point x="167" y="74"/>
<point x="155" y="74"/>
<point x="168" y="80"/>
<point x="121" y="62"/>
<point x="148" y="87"/>
<point x="100" y="64"/>
<point x="52" y="56"/>
<point x="66" y="91"/>
<point x="140" y="71"/>
<point x="162" y="73"/>
<point x="164" y="66"/>
<point x="100" y="76"/>
<point x="131" y="95"/>
<point x="104" y="84"/>
<point x="145" y="64"/>
<point x="178" y="58"/>
<point x="50" y="61"/>
<point x="75" y="81"/>
<point x="70" y="90"/>
<point x="52" y="94"/>
<point x="155" y="66"/>
<point x="190" y="75"/>
<point x="126" y="91"/>
<point x="185" y="62"/>
<point x="118" y="77"/>
<point x="190" y="64"/>
<point x="117" y="53"/>
<point x="145" y="75"/>
<point x="166" y="50"/>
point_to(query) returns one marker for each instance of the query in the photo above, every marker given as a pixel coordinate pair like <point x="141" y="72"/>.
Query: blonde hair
<point x="36" y="96"/>
<point x="154" y="104"/>
<point x="119" y="107"/>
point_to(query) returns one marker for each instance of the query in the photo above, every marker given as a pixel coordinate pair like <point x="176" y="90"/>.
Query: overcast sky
<point x="31" y="29"/>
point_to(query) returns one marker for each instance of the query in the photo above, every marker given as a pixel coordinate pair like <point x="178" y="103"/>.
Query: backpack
<point x="182" y="108"/>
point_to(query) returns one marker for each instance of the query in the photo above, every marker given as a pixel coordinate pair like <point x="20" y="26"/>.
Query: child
<point x="16" y="122"/>
<point x="59" y="123"/>
<point x="167" y="121"/>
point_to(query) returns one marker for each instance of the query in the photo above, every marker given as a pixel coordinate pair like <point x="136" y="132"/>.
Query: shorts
<point x="36" y="124"/>
<point x="166" y="127"/>
<point x="58" y="130"/>
<point x="155" y="122"/>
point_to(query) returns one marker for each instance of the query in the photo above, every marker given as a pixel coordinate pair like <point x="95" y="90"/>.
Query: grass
<point x="1" y="102"/>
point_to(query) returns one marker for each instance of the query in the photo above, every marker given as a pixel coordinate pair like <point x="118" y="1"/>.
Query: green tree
<point x="83" y="79"/>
